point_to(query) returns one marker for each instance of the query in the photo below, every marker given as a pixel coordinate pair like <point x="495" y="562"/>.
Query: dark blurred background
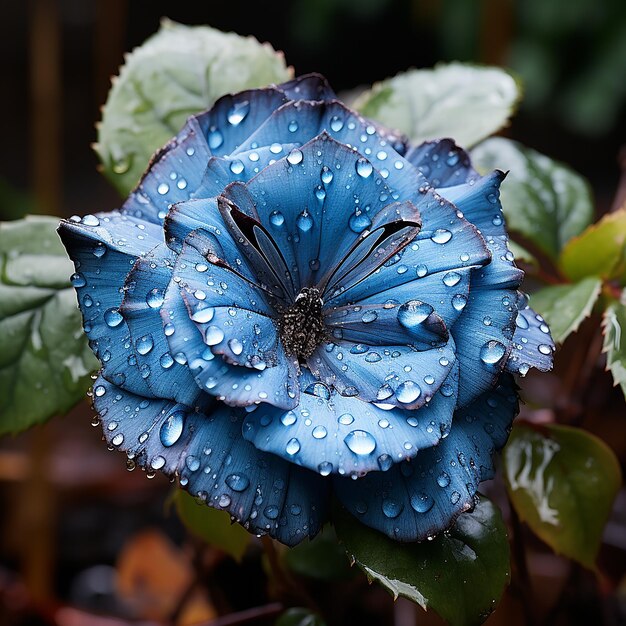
<point x="73" y="526"/>
<point x="59" y="56"/>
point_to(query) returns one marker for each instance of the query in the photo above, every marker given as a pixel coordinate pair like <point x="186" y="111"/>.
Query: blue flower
<point x="296" y="301"/>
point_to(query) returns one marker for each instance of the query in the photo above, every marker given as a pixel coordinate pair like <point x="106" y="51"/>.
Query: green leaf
<point x="562" y="482"/>
<point x="599" y="251"/>
<point x="460" y="574"/>
<point x="321" y="558"/>
<point x="211" y="525"/>
<point x="614" y="326"/>
<point x="543" y="200"/>
<point x="564" y="307"/>
<point x="45" y="361"/>
<point x="177" y="72"/>
<point x="465" y="102"/>
<point x="299" y="616"/>
<point x="521" y="254"/>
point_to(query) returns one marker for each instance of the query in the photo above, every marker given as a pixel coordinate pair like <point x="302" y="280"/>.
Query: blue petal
<point x="104" y="249"/>
<point x="479" y="202"/>
<point x="315" y="207"/>
<point x="307" y="87"/>
<point x="432" y="252"/>
<point x="235" y="385"/>
<point x="532" y="344"/>
<point x="174" y="173"/>
<point x="233" y="118"/>
<point x="417" y="499"/>
<point x="484" y="332"/>
<point x="214" y="462"/>
<point x="442" y="162"/>
<point x="300" y="122"/>
<point x="330" y="433"/>
<point x="144" y="295"/>
<point x="413" y="323"/>
<point x="396" y="375"/>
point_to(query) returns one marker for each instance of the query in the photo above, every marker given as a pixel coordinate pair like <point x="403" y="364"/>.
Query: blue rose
<point x="295" y="301"/>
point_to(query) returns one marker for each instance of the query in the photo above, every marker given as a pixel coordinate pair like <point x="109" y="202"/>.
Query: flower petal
<point x="396" y="376"/>
<point x="104" y="248"/>
<point x="533" y="345"/>
<point x="417" y="499"/>
<point x="330" y="433"/>
<point x="235" y="385"/>
<point x="261" y="491"/>
<point x="307" y="87"/>
<point x="442" y="162"/>
<point x="143" y="299"/>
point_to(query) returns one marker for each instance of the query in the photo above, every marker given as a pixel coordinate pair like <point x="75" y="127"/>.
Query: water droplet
<point x="292" y="447"/>
<point x="236" y="166"/>
<point x="238" y="112"/>
<point x="360" y="442"/>
<point x="359" y="222"/>
<point x="443" y="480"/>
<point x="325" y="468"/>
<point x="364" y="168"/>
<point x="346" y="419"/>
<point x="304" y="221"/>
<point x="236" y="346"/>
<point x="213" y="336"/>
<point x="492" y="352"/>
<point x="144" y="344"/>
<point x="215" y="139"/>
<point x="78" y="280"/>
<point x="392" y="508"/>
<point x="422" y="502"/>
<point x="369" y="316"/>
<point x="100" y="250"/>
<point x="237" y="482"/>
<point x="441" y="236"/>
<point x="155" y="298"/>
<point x="295" y="156"/>
<point x="157" y="462"/>
<point x="90" y="220"/>
<point x="192" y="463"/>
<point x="451" y="279"/>
<point x="203" y="316"/>
<point x="99" y="391"/>
<point x="166" y="361"/>
<point x="293" y="126"/>
<point x="458" y="302"/>
<point x="163" y="188"/>
<point x="113" y="318"/>
<point x="319" y="432"/>
<point x="413" y="313"/>
<point x="271" y="512"/>
<point x="385" y="462"/>
<point x="277" y="218"/>
<point x="289" y="418"/>
<point x="408" y="392"/>
<point x="327" y="175"/>
<point x="224" y="501"/>
<point x="172" y="428"/>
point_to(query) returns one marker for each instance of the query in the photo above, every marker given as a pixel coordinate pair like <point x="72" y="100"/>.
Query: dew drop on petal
<point x="492" y="352"/>
<point x="360" y="442"/>
<point x="237" y="482"/>
<point x="172" y="428"/>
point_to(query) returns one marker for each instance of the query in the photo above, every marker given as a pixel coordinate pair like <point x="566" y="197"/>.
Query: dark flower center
<point x="302" y="324"/>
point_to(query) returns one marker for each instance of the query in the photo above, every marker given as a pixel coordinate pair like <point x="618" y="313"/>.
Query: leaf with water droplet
<point x="179" y="71"/>
<point x="564" y="307"/>
<point x="614" y="327"/>
<point x="456" y="100"/>
<point x="543" y="200"/>
<point x="211" y="525"/>
<point x="460" y="574"/>
<point x="562" y="482"/>
<point x="45" y="361"/>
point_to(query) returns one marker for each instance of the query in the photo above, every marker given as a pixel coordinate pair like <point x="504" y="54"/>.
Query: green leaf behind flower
<point x="177" y="72"/>
<point x="461" y="574"/>
<point x="211" y="525"/>
<point x="599" y="251"/>
<point x="564" y="307"/>
<point x="543" y="200"/>
<point x="45" y="361"/>
<point x="562" y="482"/>
<point x="465" y="102"/>
<point x="614" y="326"/>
